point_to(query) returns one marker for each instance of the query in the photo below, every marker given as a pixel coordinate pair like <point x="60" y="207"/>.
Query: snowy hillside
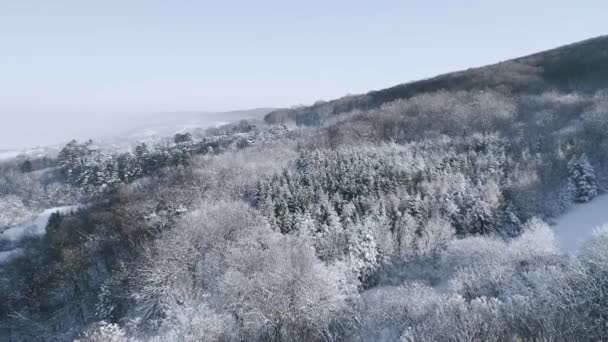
<point x="35" y="227"/>
<point x="11" y="237"/>
<point x="354" y="220"/>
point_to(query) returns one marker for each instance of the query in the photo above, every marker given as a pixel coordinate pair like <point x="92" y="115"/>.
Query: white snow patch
<point x="6" y="256"/>
<point x="577" y="225"/>
<point x="41" y="172"/>
<point x="37" y="227"/>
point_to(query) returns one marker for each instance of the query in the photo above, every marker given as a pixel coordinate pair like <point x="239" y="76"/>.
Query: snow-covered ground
<point x="36" y="227"/>
<point x="577" y="225"/>
<point x="6" y="256"/>
<point x="11" y="237"/>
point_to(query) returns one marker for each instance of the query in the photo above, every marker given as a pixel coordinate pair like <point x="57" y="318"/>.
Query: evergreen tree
<point x="74" y="158"/>
<point x="26" y="166"/>
<point x="582" y="176"/>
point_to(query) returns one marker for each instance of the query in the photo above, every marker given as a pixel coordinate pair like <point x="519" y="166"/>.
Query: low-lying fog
<point x="25" y="130"/>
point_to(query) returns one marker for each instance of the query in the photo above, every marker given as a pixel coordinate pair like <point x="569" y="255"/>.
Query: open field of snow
<point x="577" y="225"/>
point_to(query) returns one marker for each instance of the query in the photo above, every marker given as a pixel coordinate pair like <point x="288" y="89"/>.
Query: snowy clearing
<point x="577" y="225"/>
<point x="35" y="227"/>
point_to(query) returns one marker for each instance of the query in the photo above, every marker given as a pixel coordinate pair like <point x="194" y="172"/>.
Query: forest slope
<point x="582" y="66"/>
<point x="415" y="213"/>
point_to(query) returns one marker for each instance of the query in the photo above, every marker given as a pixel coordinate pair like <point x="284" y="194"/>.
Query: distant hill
<point x="112" y="129"/>
<point x="581" y="67"/>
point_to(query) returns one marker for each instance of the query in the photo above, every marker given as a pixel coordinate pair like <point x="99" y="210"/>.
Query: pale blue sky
<point x="95" y="57"/>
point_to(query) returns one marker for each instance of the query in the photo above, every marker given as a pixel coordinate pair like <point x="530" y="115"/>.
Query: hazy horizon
<point x="76" y="67"/>
<point x="58" y="128"/>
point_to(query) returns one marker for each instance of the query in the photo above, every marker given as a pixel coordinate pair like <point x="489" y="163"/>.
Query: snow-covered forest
<point x="461" y="208"/>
